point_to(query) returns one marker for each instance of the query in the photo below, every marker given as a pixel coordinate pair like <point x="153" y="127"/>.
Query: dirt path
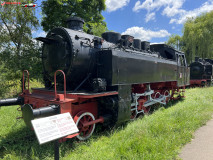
<point x="201" y="147"/>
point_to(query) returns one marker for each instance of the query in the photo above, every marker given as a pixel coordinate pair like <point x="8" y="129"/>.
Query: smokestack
<point x="75" y="23"/>
<point x="196" y="59"/>
<point x="112" y="37"/>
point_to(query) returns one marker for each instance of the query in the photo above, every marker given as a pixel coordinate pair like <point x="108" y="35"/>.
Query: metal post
<point x="56" y="148"/>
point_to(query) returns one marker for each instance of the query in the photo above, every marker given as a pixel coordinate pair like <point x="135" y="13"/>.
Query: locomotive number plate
<point x="54" y="127"/>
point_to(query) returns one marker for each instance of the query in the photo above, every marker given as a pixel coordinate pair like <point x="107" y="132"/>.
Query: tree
<point x="18" y="51"/>
<point x="56" y="12"/>
<point x="197" y="39"/>
<point x="175" y="41"/>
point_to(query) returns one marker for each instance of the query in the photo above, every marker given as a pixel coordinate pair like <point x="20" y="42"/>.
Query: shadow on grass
<point x="23" y="143"/>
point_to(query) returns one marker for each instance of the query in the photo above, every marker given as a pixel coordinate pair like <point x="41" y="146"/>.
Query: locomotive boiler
<point x="109" y="79"/>
<point x="201" y="72"/>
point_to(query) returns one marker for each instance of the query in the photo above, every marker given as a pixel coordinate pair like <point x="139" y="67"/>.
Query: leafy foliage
<point x="175" y="41"/>
<point x="197" y="39"/>
<point x="56" y="12"/>
<point x="18" y="51"/>
<point x="198" y="36"/>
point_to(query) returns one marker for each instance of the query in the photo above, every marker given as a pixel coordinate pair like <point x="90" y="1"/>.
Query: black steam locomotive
<point x="105" y="80"/>
<point x="201" y="72"/>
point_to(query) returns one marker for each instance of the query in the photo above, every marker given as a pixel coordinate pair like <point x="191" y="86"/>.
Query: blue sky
<point x="150" y="20"/>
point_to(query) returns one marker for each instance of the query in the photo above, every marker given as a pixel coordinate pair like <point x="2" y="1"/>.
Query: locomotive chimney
<point x="75" y="23"/>
<point x="112" y="37"/>
<point x="196" y="59"/>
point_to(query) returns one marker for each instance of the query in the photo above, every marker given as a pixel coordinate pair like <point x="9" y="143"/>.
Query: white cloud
<point x="146" y="35"/>
<point x="206" y="7"/>
<point x="39" y="33"/>
<point x="33" y="31"/>
<point x="171" y="7"/>
<point x="113" y="5"/>
<point x="158" y="43"/>
<point x="150" y="16"/>
<point x="174" y="8"/>
<point x="42" y="34"/>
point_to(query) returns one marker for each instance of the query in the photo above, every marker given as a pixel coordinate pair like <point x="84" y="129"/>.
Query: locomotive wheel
<point x="167" y="93"/>
<point x="80" y="119"/>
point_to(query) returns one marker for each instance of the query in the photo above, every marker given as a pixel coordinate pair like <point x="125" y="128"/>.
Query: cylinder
<point x="137" y="44"/>
<point x="11" y="101"/>
<point x="112" y="37"/>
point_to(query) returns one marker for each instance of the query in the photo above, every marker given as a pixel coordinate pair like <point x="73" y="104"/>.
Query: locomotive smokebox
<point x="75" y="23"/>
<point x="112" y="37"/>
<point x="70" y="50"/>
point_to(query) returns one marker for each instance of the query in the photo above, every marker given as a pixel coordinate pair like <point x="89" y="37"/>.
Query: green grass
<point x="157" y="136"/>
<point x="13" y="88"/>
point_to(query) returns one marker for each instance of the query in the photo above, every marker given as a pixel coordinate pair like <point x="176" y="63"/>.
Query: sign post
<point x="53" y="128"/>
<point x="56" y="150"/>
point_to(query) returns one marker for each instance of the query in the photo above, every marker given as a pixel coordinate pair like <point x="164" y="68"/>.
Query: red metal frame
<point x="198" y="82"/>
<point x="23" y="80"/>
<point x="69" y="102"/>
<point x="159" y="88"/>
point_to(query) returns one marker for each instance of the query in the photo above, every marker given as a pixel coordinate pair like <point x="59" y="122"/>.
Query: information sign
<point x="54" y="127"/>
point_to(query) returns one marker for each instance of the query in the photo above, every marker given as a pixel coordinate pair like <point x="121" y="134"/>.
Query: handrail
<point x="28" y="80"/>
<point x="64" y="83"/>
